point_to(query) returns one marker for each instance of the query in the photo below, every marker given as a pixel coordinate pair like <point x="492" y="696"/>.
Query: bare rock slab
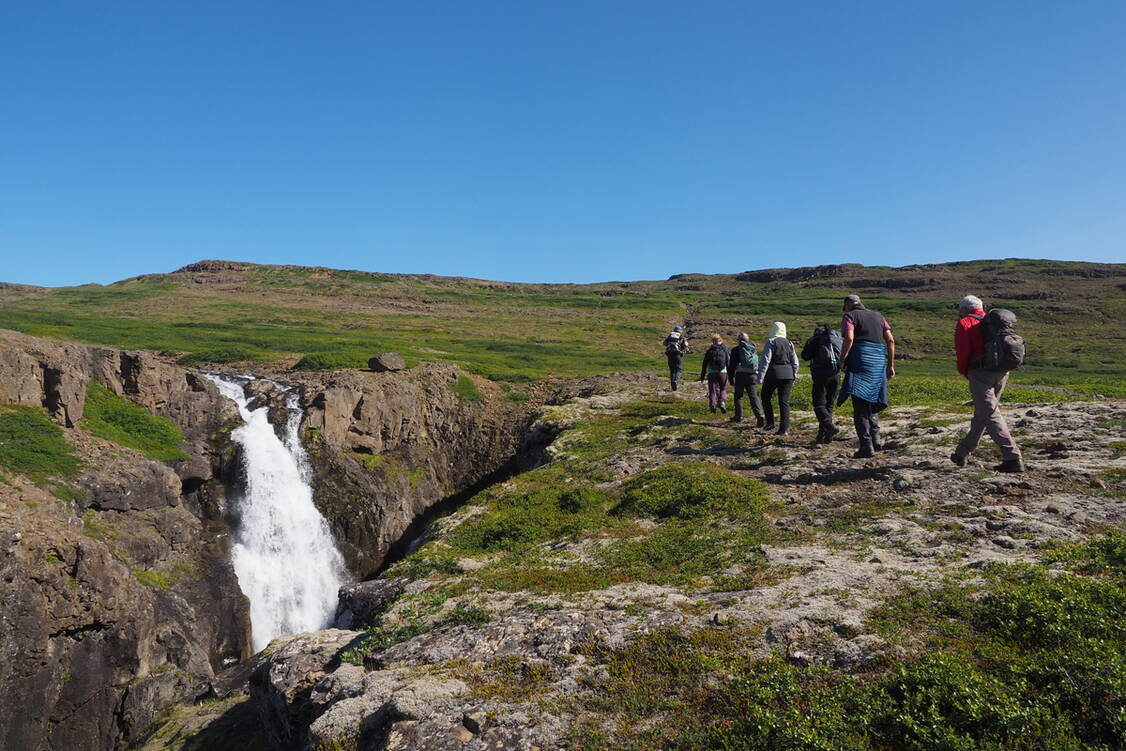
<point x="387" y="362"/>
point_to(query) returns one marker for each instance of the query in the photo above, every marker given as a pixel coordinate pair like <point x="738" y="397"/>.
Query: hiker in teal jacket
<point x="742" y="368"/>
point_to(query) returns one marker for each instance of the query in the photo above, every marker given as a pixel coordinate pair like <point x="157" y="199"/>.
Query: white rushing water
<point x="286" y="561"/>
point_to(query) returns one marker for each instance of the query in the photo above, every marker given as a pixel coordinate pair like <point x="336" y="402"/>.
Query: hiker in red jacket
<point x="986" y="387"/>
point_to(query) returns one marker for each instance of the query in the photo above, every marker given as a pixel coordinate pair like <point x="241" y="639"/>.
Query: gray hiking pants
<point x="986" y="387"/>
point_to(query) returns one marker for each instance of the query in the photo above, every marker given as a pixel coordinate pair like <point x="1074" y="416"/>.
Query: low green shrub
<point x="117" y="419"/>
<point x="521" y="519"/>
<point x="332" y="361"/>
<point x="691" y="489"/>
<point x="220" y="355"/>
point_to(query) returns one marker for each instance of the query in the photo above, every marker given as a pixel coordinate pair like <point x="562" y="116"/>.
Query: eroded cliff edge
<point x="119" y="596"/>
<point x="387" y="448"/>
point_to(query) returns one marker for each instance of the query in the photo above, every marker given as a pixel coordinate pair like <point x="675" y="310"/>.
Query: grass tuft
<point x="32" y="445"/>
<point x="117" y="419"/>
<point x="466" y="389"/>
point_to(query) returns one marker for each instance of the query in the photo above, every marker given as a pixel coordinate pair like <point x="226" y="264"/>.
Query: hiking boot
<point x="820" y="435"/>
<point x="674" y="387"/>
<point x="877" y="441"/>
<point x="768" y="427"/>
<point x="1010" y="465"/>
<point x="830" y="431"/>
<point x="760" y="421"/>
<point x="782" y="431"/>
<point x="736" y="418"/>
<point x="865" y="451"/>
<point x="958" y="460"/>
<point x="722" y="408"/>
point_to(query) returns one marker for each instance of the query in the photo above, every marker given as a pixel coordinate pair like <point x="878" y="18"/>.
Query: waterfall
<point x="286" y="561"/>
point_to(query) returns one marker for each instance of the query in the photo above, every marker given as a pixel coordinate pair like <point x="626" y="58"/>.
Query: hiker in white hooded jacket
<point x="778" y="367"/>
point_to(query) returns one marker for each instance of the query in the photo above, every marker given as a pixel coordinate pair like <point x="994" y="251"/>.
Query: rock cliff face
<point x="387" y="448"/>
<point x="120" y="600"/>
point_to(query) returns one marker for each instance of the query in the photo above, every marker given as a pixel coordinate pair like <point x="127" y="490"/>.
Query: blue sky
<point x="557" y="141"/>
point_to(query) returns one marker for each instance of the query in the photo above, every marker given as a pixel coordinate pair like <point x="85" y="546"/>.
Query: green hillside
<point x="317" y="318"/>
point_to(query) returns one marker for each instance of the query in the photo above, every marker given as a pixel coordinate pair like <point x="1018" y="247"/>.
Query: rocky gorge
<point x="120" y="599"/>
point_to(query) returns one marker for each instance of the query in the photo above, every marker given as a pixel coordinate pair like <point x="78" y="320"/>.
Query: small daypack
<point x="749" y="363"/>
<point x="674" y="343"/>
<point x="828" y="352"/>
<point x="716" y="357"/>
<point x="1004" y="348"/>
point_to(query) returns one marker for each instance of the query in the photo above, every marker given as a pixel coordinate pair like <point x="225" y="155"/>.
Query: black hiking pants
<point x="824" y="396"/>
<point x="770" y="384"/>
<point x="746" y="383"/>
<point x="675" y="361"/>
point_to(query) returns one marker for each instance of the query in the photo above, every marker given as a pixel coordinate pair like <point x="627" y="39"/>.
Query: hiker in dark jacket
<point x="676" y="346"/>
<point x="778" y="367"/>
<point x="743" y="370"/>
<point x="868" y="361"/>
<point x="823" y="350"/>
<point x="715" y="370"/>
<point x="986" y="387"/>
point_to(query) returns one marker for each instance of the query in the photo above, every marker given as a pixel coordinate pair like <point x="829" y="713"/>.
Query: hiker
<point x="986" y="386"/>
<point x="823" y="350"/>
<point x="778" y="367"/>
<point x="676" y="346"/>
<point x="715" y="369"/>
<point x="743" y="370"/>
<point x="868" y="361"/>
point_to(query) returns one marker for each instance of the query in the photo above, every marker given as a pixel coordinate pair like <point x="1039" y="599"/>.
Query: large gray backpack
<point x="1004" y="347"/>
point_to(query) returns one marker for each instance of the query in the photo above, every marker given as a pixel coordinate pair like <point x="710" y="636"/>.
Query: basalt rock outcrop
<point x="118" y="598"/>
<point x="388" y="449"/>
<point x="387" y="362"/>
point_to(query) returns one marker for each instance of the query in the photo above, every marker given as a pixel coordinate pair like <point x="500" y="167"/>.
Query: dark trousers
<point x="745" y="383"/>
<point x="675" y="360"/>
<point x="717" y="390"/>
<point x="866" y="419"/>
<point x="824" y="396"/>
<point x="770" y="384"/>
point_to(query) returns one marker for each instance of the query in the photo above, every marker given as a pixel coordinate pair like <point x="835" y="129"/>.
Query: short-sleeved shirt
<point x="865" y="324"/>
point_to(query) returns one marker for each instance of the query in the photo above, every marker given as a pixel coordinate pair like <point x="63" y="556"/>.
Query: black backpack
<point x="1004" y="348"/>
<point x="717" y="356"/>
<point x="827" y="352"/>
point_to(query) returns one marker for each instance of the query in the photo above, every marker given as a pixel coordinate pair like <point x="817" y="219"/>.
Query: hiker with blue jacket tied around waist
<point x="778" y="367"/>
<point x="868" y="361"/>
<point x="743" y="370"/>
